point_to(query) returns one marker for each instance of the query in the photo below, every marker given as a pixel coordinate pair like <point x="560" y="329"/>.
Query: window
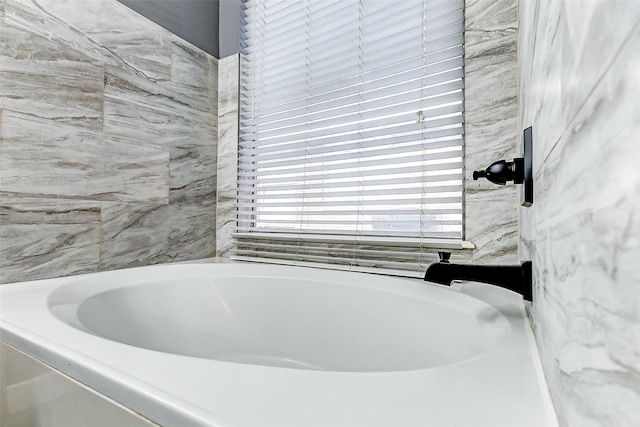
<point x="351" y="131"/>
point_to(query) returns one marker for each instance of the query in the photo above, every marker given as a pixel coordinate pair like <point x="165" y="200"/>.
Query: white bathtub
<point x="237" y="344"/>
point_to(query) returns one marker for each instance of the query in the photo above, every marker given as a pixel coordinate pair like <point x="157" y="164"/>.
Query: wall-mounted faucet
<point x="516" y="278"/>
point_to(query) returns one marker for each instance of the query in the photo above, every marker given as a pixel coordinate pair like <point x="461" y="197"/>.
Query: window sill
<point x="364" y="240"/>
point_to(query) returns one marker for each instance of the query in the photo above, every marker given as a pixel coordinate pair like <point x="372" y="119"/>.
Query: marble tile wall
<point x="228" y="113"/>
<point x="108" y="141"/>
<point x="491" y="115"/>
<point x="579" y="68"/>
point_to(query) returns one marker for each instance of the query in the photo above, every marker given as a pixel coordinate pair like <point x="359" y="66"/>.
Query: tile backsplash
<point x="228" y="119"/>
<point x="579" y="68"/>
<point x="491" y="115"/>
<point x="108" y="141"/>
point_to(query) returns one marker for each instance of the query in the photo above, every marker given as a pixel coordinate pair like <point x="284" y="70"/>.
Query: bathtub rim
<point x="153" y="402"/>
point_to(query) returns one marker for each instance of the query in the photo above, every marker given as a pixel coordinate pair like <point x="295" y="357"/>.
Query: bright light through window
<point x="351" y="118"/>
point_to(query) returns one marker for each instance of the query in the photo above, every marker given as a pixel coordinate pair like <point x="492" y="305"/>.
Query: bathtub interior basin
<point x="325" y="323"/>
<point x="195" y="345"/>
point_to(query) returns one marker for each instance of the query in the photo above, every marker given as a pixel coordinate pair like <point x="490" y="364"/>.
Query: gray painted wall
<point x="229" y="27"/>
<point x="196" y="21"/>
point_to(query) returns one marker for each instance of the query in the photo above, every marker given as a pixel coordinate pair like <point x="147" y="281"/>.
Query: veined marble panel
<point x="537" y="57"/>
<point x="193" y="171"/>
<point x="41" y="158"/>
<point x="195" y="236"/>
<point x="129" y="38"/>
<point x="102" y="109"/>
<point x="106" y="31"/>
<point x="138" y="109"/>
<point x="67" y="90"/>
<point x="20" y="44"/>
<point x="492" y="225"/>
<point x="491" y="111"/>
<point x="194" y="73"/>
<point x="28" y="16"/>
<point x="485" y="16"/>
<point x="585" y="54"/>
<point x="583" y="231"/>
<point x="227" y="172"/>
<point x="150" y="234"/>
<point x="72" y="90"/>
<point x="566" y="56"/>
<point x="41" y="239"/>
<point x="133" y="235"/>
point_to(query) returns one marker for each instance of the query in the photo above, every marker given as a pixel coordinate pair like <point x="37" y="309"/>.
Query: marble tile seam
<point x="184" y="45"/>
<point x="14" y="198"/>
<point x="489" y="34"/>
<point x="110" y="54"/>
<point x="20" y="214"/>
<point x="634" y="32"/>
<point x="96" y="51"/>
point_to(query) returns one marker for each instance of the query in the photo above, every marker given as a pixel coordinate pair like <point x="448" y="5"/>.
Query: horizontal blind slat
<point x="365" y="81"/>
<point x="351" y="120"/>
<point x="401" y="135"/>
<point x="398" y="179"/>
<point x="411" y="142"/>
<point x="393" y="95"/>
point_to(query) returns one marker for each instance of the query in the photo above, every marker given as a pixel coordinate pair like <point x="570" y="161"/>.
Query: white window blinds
<point x="351" y="123"/>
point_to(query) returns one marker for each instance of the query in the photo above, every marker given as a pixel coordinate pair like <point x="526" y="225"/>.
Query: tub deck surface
<point x="503" y="386"/>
